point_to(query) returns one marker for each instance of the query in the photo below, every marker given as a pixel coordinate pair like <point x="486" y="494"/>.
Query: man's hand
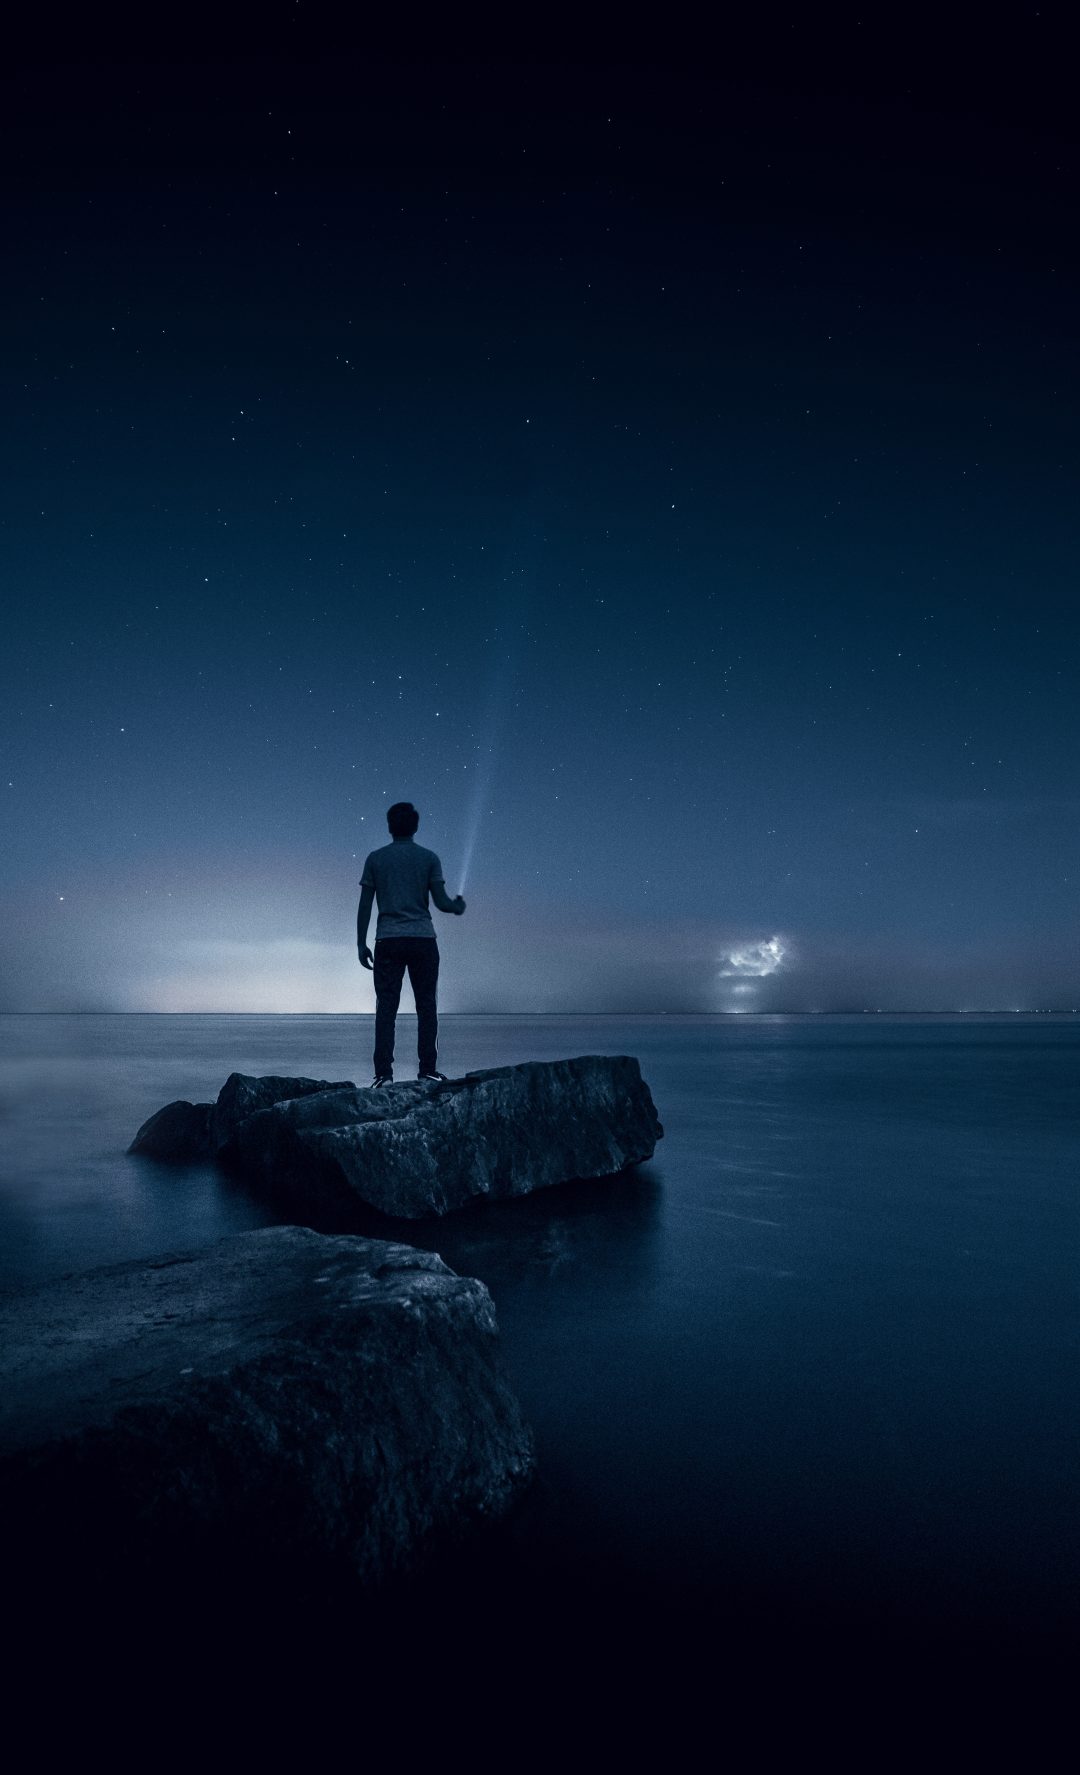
<point x="366" y="959"/>
<point x="459" y="905"/>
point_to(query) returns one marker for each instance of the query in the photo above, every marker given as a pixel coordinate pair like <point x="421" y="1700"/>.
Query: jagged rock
<point x="185" y="1131"/>
<point x="282" y="1394"/>
<point x="415" y="1149"/>
<point x="240" y="1096"/>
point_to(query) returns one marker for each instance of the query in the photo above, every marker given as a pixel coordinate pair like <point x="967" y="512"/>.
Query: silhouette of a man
<point x="400" y="877"/>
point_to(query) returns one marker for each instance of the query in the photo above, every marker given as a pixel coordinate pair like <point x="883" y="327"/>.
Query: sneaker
<point x="431" y="1078"/>
<point x="384" y="1078"/>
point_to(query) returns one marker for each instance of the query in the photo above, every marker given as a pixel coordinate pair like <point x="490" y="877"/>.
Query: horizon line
<point x="878" y="1011"/>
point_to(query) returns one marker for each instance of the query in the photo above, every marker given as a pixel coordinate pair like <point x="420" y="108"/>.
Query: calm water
<point x="816" y="1364"/>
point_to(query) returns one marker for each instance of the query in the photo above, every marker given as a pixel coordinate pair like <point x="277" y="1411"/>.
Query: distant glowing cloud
<point x="753" y="961"/>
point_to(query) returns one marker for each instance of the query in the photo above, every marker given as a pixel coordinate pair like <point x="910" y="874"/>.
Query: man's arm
<point x="443" y="901"/>
<point x="363" y="919"/>
<point x="437" y="889"/>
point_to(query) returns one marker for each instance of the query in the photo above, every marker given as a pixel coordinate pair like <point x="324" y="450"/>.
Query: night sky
<point x="656" y="462"/>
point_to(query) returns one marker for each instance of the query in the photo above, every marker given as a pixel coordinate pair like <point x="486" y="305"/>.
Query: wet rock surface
<point x="282" y="1395"/>
<point x="415" y="1149"/>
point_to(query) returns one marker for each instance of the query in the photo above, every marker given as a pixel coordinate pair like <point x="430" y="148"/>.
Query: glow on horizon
<point x="269" y="978"/>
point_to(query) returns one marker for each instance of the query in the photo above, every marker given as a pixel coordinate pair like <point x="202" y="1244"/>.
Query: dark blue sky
<point x="660" y="469"/>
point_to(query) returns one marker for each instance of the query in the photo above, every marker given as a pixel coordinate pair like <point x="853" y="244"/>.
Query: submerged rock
<point x="415" y="1149"/>
<point x="280" y="1394"/>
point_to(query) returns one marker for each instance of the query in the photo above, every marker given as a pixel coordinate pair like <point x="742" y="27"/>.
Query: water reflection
<point x="599" y="1230"/>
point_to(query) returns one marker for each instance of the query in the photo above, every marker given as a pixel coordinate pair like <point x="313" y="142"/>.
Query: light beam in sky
<point x="484" y="778"/>
<point x="510" y="630"/>
<point x="481" y="790"/>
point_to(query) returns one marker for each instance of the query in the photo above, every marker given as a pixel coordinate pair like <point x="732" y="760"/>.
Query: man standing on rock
<point x="400" y="877"/>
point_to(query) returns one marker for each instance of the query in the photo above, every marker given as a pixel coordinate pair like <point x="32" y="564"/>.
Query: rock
<point x="180" y="1131"/>
<point x="184" y="1131"/>
<point x="280" y="1395"/>
<point x="412" y="1150"/>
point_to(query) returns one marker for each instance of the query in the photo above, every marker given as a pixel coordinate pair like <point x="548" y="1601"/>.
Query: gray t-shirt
<point x="402" y="873"/>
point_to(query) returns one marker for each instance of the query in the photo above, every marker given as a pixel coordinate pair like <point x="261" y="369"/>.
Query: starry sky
<point x="659" y="466"/>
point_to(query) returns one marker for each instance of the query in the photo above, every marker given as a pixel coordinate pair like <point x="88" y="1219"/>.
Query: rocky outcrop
<point x="412" y="1150"/>
<point x="282" y="1394"/>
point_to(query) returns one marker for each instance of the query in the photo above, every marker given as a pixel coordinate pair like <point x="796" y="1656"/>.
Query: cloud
<point x="754" y="961"/>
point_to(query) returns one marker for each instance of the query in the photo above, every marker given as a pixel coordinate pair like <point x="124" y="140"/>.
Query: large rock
<point x="411" y="1150"/>
<point x="280" y="1394"/>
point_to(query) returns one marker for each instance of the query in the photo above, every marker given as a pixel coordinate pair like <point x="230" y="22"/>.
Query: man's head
<point x="402" y="819"/>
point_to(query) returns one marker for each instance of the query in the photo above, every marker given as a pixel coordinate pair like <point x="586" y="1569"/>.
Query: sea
<point x="803" y="1386"/>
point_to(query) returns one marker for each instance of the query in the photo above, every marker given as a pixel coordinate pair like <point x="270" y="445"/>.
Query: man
<point x="400" y="877"/>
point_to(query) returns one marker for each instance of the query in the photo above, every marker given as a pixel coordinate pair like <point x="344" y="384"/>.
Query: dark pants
<point x="392" y="956"/>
